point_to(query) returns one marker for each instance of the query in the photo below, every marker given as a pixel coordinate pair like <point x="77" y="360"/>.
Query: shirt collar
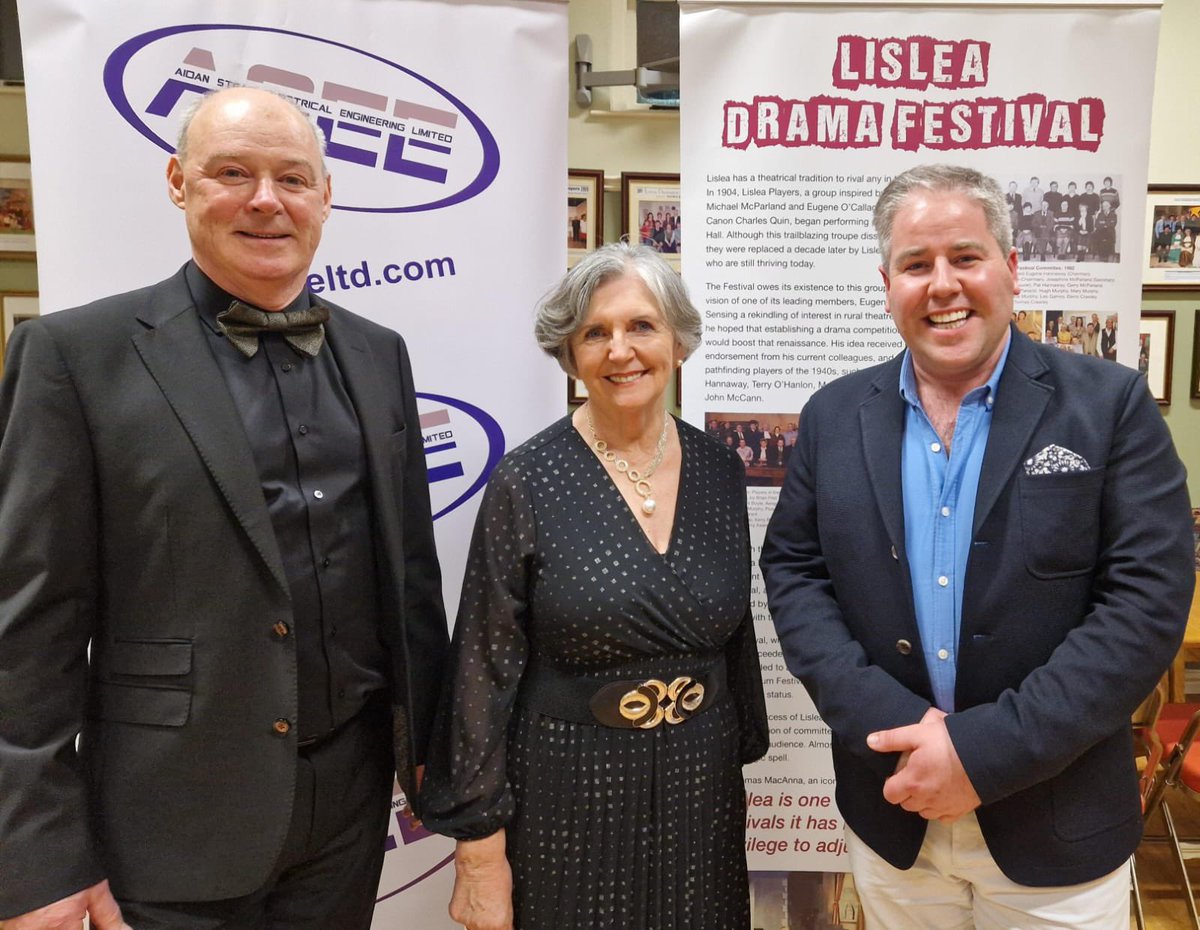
<point x="210" y="299"/>
<point x="985" y="393"/>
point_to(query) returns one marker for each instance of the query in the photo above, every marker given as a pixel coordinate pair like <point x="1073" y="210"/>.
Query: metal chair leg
<point x="1187" y="885"/>
<point x="1138" y="915"/>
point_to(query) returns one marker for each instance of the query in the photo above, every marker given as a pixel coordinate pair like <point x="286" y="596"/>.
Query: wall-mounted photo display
<point x="585" y="212"/>
<point x="650" y="213"/>
<point x="1172" y="232"/>
<point x="16" y="208"/>
<point x="1156" y="343"/>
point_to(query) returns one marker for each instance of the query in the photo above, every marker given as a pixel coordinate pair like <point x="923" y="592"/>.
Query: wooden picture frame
<point x="576" y="391"/>
<point x="1168" y="264"/>
<point x="1156" y="345"/>
<point x="15" y="308"/>
<point x="650" y="212"/>
<point x="585" y="212"/>
<point x="1196" y="360"/>
<point x="17" y="237"/>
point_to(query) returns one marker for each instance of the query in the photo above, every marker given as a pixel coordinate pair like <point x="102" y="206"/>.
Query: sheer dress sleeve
<point x="466" y="794"/>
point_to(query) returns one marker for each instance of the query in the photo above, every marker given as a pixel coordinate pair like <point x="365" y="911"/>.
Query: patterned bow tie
<point x="303" y="329"/>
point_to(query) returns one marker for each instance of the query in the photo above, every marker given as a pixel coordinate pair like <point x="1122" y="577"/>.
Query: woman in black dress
<point x="605" y="687"/>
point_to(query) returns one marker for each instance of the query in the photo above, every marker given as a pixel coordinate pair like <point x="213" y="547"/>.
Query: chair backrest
<point x="1148" y="743"/>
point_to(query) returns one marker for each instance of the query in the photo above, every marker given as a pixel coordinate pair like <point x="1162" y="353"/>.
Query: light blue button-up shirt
<point x="939" y="507"/>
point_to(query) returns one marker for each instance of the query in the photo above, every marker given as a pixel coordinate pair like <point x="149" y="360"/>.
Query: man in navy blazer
<point x="980" y="563"/>
<point x="217" y="569"/>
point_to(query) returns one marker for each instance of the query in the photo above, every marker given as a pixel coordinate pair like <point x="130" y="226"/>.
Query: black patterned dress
<point x="607" y="829"/>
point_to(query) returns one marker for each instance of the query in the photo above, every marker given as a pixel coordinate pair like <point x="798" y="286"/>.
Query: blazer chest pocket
<point x="1060" y="521"/>
<point x="139" y="683"/>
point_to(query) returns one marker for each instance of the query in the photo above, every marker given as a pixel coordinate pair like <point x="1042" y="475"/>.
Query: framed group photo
<point x="16" y="208"/>
<point x="1172" y="233"/>
<point x="585" y="212"/>
<point x="650" y="213"/>
<point x="1156" y="344"/>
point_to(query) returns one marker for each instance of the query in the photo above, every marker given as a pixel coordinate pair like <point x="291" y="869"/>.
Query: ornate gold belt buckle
<point x="654" y="701"/>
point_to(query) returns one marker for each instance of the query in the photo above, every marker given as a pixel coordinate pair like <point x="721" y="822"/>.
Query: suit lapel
<point x="174" y="349"/>
<point x="1021" y="400"/>
<point x="357" y="366"/>
<point x="881" y="420"/>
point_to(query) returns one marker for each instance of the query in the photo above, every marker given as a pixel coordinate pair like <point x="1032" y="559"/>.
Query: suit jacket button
<point x="280" y="629"/>
<point x="281" y="726"/>
<point x="895" y="556"/>
<point x="903" y="646"/>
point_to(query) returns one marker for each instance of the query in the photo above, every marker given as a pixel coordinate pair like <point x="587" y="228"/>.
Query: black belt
<point x="637" y="703"/>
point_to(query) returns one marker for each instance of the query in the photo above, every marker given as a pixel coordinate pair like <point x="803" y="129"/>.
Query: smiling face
<point x="625" y="352"/>
<point x="949" y="289"/>
<point x="255" y="196"/>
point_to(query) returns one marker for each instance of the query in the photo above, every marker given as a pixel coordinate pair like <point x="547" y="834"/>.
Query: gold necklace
<point x="641" y="483"/>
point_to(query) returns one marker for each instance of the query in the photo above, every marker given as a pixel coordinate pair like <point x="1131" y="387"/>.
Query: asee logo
<point x="463" y="443"/>
<point x="396" y="141"/>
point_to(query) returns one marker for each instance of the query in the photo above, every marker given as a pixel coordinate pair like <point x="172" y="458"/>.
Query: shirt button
<point x="282" y="727"/>
<point x="943" y="580"/>
<point x="945" y="511"/>
<point x="325" y="562"/>
<point x="319" y="495"/>
<point x="280" y="629"/>
<point x="935" y="447"/>
<point x="341" y="692"/>
<point x="332" y="632"/>
<point x="286" y="366"/>
<point x="943" y="654"/>
<point x="303" y="430"/>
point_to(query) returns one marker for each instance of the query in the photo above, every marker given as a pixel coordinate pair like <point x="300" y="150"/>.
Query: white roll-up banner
<point x="793" y="117"/>
<point x="446" y="130"/>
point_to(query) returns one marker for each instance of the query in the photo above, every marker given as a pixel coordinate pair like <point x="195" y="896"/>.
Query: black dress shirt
<point x="307" y="444"/>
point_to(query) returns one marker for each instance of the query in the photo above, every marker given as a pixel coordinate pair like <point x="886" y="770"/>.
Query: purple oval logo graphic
<point x="463" y="443"/>
<point x="396" y="141"/>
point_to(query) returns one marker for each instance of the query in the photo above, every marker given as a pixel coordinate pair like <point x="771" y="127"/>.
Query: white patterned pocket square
<point x="1054" y="460"/>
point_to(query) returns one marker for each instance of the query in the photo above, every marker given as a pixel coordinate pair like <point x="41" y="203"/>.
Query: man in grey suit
<point x="217" y="569"/>
<point x="980" y="563"/>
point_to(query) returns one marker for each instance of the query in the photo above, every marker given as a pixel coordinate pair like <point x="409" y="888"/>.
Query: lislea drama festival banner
<point x="797" y="115"/>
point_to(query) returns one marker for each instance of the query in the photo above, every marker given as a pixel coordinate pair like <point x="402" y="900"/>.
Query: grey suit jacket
<point x="1076" y="597"/>
<point x="133" y="519"/>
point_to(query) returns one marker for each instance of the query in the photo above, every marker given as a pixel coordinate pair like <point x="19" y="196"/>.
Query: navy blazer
<point x="1075" y="600"/>
<point x="134" y="521"/>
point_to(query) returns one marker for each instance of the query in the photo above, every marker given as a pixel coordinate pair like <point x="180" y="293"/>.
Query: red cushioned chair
<point x="1175" y="729"/>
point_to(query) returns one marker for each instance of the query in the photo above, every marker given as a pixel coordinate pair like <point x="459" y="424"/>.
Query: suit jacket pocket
<point x="148" y="657"/>
<point x="141" y="704"/>
<point x="1060" y="522"/>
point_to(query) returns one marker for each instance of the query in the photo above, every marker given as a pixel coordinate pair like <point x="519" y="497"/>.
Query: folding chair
<point x="1176" y="729"/>
<point x="1147" y="745"/>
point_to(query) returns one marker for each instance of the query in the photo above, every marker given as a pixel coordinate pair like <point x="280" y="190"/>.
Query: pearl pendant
<point x="648" y="506"/>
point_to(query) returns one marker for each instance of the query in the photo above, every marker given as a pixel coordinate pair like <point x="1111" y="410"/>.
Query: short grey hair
<point x="972" y="184"/>
<point x="562" y="312"/>
<point x="181" y="142"/>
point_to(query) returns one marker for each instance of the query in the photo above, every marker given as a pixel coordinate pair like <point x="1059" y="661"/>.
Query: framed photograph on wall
<point x="1196" y="364"/>
<point x="15" y="308"/>
<point x="1171" y="234"/>
<point x="650" y="212"/>
<point x="576" y="390"/>
<point x="585" y="212"/>
<point x="16" y="208"/>
<point x="1156" y="343"/>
